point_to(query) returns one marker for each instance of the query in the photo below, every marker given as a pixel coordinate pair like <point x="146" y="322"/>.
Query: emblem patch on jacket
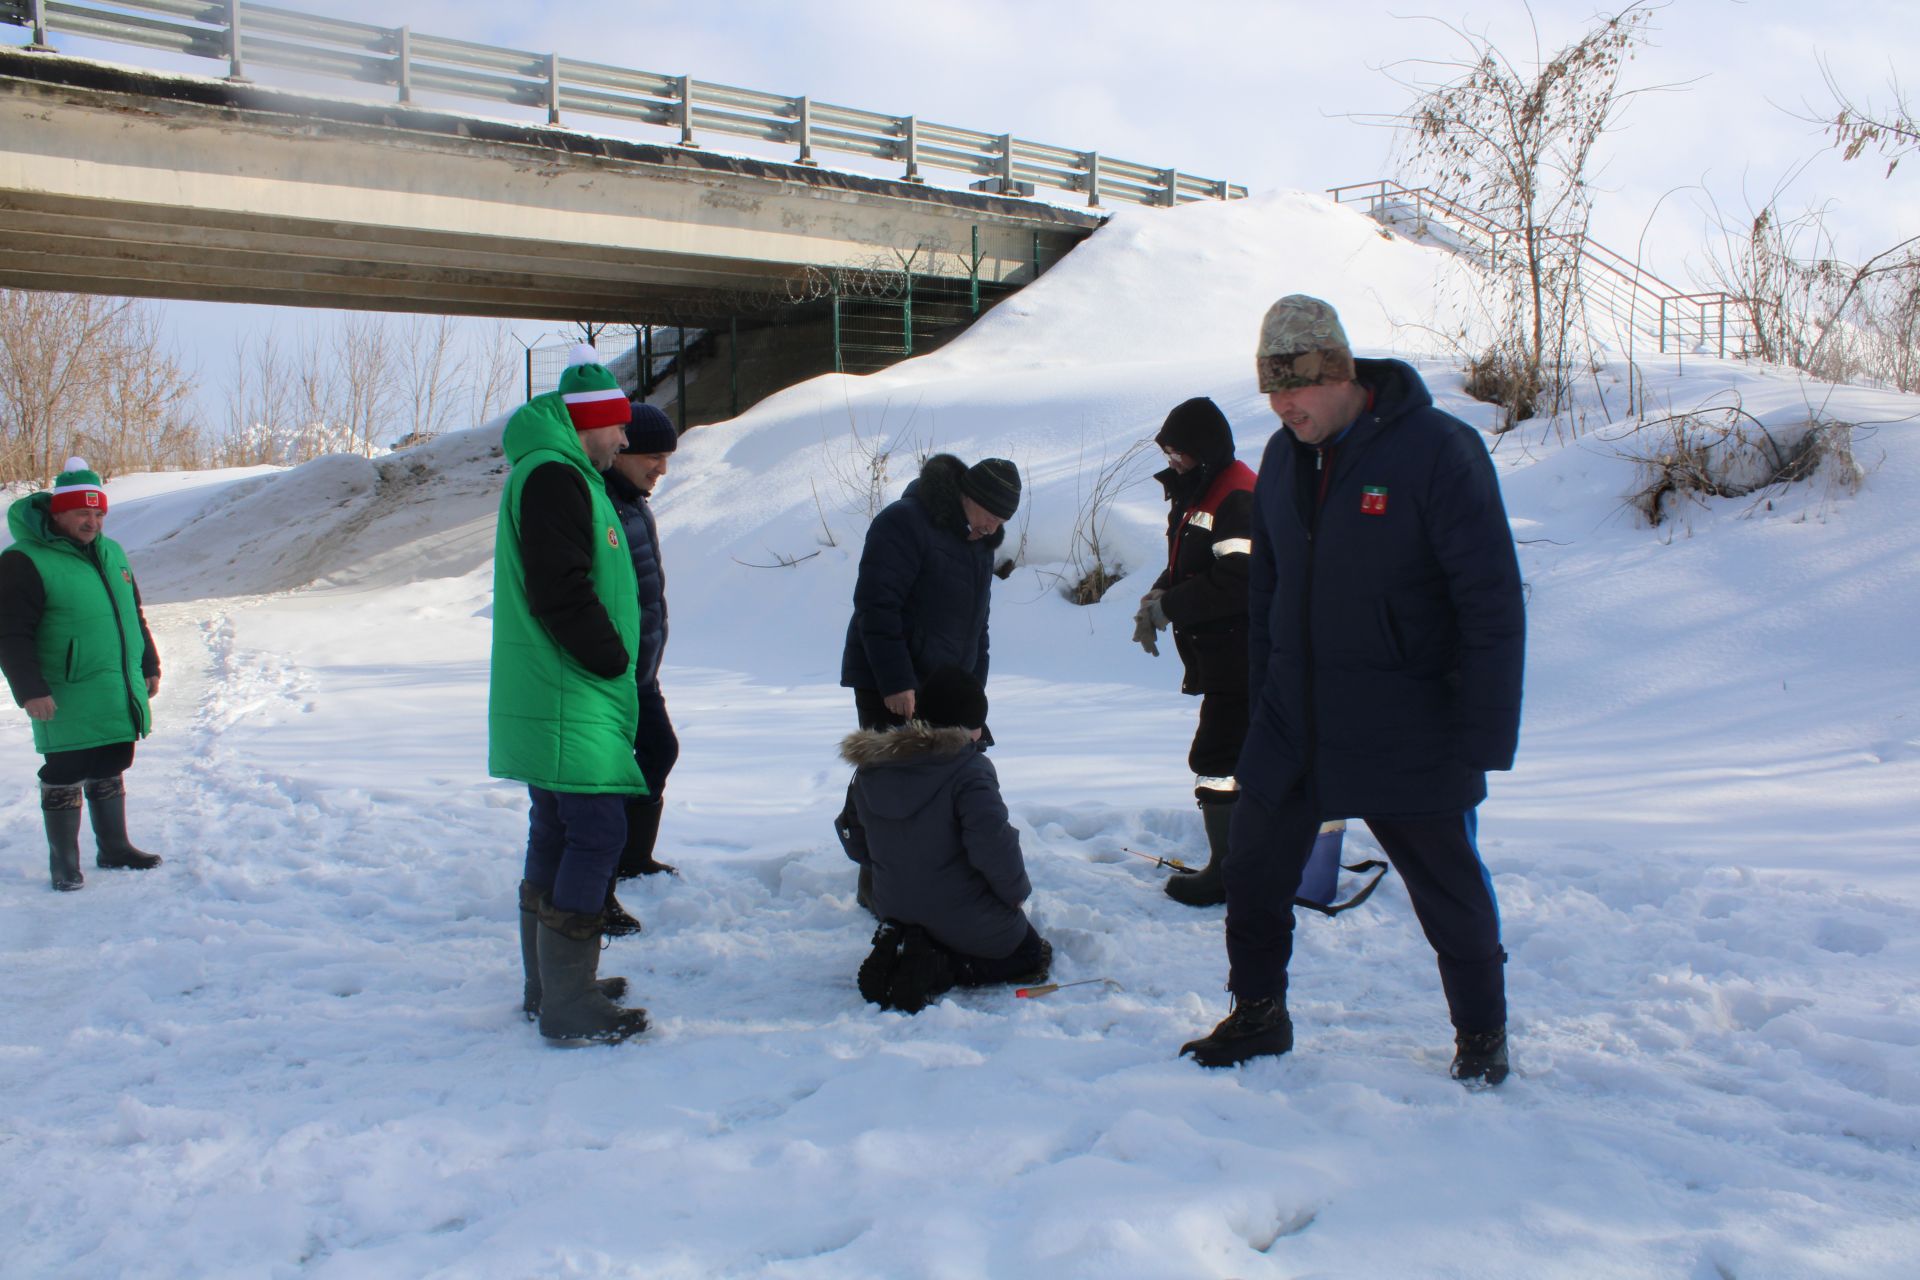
<point x="613" y="536"/>
<point x="1373" y="500"/>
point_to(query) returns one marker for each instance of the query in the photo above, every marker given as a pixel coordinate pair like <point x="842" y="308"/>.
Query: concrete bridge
<point x="121" y="181"/>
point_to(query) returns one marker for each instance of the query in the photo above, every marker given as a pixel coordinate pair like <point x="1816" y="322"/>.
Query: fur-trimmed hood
<point x="938" y="491"/>
<point x="912" y="743"/>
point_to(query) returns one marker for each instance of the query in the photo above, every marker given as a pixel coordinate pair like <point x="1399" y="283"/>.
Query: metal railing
<point x="244" y="35"/>
<point x="1627" y="292"/>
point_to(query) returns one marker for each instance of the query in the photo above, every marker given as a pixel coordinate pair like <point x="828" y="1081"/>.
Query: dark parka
<point x="930" y="822"/>
<point x="71" y="628"/>
<point x="1387" y="625"/>
<point x="1204" y="585"/>
<point x="920" y="602"/>
<point x="649" y="571"/>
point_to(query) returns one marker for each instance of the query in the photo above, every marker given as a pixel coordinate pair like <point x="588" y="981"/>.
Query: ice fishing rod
<point x="1048" y="988"/>
<point x="1157" y="860"/>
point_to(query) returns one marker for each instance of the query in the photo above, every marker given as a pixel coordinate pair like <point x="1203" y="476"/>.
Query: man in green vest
<point x="562" y="703"/>
<point x="77" y="655"/>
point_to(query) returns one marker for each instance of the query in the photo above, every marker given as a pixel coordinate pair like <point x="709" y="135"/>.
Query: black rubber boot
<point x="611" y="988"/>
<point x="573" y="1009"/>
<point x="1255" y="1028"/>
<point x="107" y="807"/>
<point x="1479" y="1058"/>
<point x="60" y="809"/>
<point x="643" y="830"/>
<point x="615" y="920"/>
<point x="1206" y="887"/>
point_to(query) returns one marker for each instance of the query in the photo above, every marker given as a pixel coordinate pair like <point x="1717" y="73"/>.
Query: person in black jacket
<point x="921" y="599"/>
<point x="1202" y="595"/>
<point x="639" y="466"/>
<point x="948" y="878"/>
<point x="1387" y="642"/>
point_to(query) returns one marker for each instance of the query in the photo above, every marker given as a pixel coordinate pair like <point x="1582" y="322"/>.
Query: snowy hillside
<point x="296" y="1048"/>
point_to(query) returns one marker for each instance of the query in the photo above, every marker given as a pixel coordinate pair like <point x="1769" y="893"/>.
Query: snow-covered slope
<point x="296" y="1050"/>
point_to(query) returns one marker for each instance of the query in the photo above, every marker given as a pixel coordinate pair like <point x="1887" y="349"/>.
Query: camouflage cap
<point x="1302" y="343"/>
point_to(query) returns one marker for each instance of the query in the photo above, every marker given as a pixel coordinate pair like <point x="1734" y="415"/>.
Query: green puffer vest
<point x="89" y="640"/>
<point x="551" y="722"/>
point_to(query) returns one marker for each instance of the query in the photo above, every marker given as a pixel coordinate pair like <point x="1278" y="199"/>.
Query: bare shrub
<point x="1094" y="567"/>
<point x="1726" y="452"/>
<point x="862" y="467"/>
<point x="1501" y="376"/>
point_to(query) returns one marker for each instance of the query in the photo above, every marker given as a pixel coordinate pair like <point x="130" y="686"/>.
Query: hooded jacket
<point x="1204" y="586"/>
<point x="921" y="599"/>
<point x="932" y="825"/>
<point x="562" y="705"/>
<point x="71" y="628"/>
<point x="1387" y="627"/>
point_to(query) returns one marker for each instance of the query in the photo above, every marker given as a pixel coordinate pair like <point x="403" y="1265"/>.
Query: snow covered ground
<point x="296" y="1048"/>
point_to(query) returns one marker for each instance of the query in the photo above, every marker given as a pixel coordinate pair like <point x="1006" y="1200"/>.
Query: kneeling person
<point x="948" y="876"/>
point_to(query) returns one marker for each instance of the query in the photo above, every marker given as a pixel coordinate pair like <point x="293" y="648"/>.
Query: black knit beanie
<point x="951" y="698"/>
<point x="994" y="483"/>
<point x="651" y="431"/>
<point x="1198" y="429"/>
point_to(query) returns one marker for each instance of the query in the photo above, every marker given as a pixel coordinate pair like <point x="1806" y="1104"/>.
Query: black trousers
<point x="1438" y="860"/>
<point x="71" y="768"/>
<point x="1216" y="746"/>
<point x="655" y="745"/>
<point x="979" y="971"/>
<point x="870" y="705"/>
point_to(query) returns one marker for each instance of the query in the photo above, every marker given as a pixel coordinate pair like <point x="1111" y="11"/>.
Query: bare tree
<point x="1892" y="130"/>
<point x="90" y="373"/>
<point x="493" y="367"/>
<point x="1515" y="143"/>
<point x="431" y="367"/>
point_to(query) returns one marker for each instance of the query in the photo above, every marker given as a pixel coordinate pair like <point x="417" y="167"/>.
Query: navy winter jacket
<point x="929" y="820"/>
<point x="643" y="543"/>
<point x="920" y="602"/>
<point x="1387" y="626"/>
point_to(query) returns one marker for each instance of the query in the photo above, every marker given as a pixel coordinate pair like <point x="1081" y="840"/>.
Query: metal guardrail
<point x="1678" y="320"/>
<point x="244" y="35"/>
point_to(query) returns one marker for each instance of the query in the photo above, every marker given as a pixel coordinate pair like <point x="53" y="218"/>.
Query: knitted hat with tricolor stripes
<point x="78" y="487"/>
<point x="592" y="395"/>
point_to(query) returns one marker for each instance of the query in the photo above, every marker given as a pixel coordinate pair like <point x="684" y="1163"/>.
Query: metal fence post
<point x="404" y="72"/>
<point x="553" y="88"/>
<point x="680" y="373"/>
<point x="805" y="128"/>
<point x="686" y="112"/>
<point x="912" y="125"/>
<point x="236" y="69"/>
<point x="839" y="364"/>
<point x="973" y="271"/>
<point x="1093" y="179"/>
<point x="1723" y="328"/>
<point x="38" y="11"/>
<point x="733" y="365"/>
<point x="1663" y="324"/>
<point x="529" y="373"/>
<point x="906" y="316"/>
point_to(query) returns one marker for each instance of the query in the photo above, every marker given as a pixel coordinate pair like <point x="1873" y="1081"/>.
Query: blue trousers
<point x="1438" y="860"/>
<point x="573" y="846"/>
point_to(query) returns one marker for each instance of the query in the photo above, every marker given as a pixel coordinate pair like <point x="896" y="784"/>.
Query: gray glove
<point x="1143" y="631"/>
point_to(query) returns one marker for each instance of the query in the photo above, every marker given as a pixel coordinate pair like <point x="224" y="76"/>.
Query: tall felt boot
<point x="1206" y="887"/>
<point x="611" y="988"/>
<point x="60" y="809"/>
<point x="643" y="829"/>
<point x="573" y="1009"/>
<point x="107" y="807"/>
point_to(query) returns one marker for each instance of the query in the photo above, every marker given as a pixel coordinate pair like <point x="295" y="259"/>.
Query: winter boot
<point x="611" y="988"/>
<point x="1479" y="1058"/>
<point x="573" y="1008"/>
<point x="924" y="974"/>
<point x="107" y="807"/>
<point x="1255" y="1028"/>
<point x="1205" y="887"/>
<point x="615" y="920"/>
<point x="643" y="829"/>
<point x="876" y="971"/>
<point x="60" y="809"/>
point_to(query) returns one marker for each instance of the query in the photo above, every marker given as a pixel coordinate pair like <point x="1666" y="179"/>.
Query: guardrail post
<point x="1172" y="179"/>
<point x="236" y="69"/>
<point x="553" y="88"/>
<point x="805" y="129"/>
<point x="37" y="10"/>
<point x="912" y="147"/>
<point x="1222" y="190"/>
<point x="1093" y="179"/>
<point x="686" y="112"/>
<point x="1006" y="164"/>
<point x="403" y="73"/>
